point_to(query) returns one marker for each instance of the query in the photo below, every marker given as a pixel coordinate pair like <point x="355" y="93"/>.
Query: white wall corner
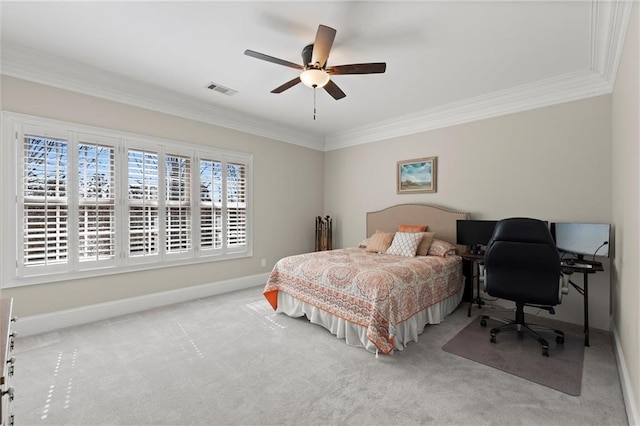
<point x="37" y="324"/>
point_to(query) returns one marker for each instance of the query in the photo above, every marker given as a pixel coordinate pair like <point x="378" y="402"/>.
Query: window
<point x="44" y="202"/>
<point x="236" y="205"/>
<point x="96" y="202"/>
<point x="210" y="204"/>
<point x="92" y="201"/>
<point x="178" y="203"/>
<point x="216" y="186"/>
<point x="143" y="187"/>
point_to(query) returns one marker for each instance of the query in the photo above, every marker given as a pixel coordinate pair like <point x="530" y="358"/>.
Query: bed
<point x="374" y="299"/>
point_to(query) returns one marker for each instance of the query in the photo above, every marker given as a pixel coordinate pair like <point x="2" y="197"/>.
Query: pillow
<point x="425" y="243"/>
<point x="363" y="243"/>
<point x="379" y="242"/>
<point x="412" y="228"/>
<point x="441" y="248"/>
<point x="405" y="244"/>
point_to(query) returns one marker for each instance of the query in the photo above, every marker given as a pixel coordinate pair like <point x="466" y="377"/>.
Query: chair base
<point x="520" y="326"/>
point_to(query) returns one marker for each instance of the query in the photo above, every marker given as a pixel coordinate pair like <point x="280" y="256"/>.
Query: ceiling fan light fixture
<point x="314" y="77"/>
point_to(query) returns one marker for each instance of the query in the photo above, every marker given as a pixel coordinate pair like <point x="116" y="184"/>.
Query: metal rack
<point x="324" y="233"/>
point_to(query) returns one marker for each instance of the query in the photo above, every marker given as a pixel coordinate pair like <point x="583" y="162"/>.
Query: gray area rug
<point x="521" y="355"/>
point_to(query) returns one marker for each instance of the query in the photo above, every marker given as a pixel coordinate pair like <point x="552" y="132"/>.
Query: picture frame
<point x="417" y="176"/>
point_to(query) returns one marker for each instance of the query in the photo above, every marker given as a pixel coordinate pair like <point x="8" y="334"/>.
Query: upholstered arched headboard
<point x="440" y="220"/>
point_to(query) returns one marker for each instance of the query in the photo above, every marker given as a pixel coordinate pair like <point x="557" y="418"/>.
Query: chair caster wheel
<point x="492" y="339"/>
<point x="545" y="351"/>
<point x="483" y="322"/>
<point x="560" y="340"/>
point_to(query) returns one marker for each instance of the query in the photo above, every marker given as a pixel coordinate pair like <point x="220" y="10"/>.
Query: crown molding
<point x="27" y="63"/>
<point x="565" y="88"/>
<point x="609" y="20"/>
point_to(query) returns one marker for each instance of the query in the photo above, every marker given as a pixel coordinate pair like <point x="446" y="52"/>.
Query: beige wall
<point x="625" y="278"/>
<point x="551" y="163"/>
<point x="287" y="196"/>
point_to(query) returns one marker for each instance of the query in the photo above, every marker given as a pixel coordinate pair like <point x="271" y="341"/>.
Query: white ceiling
<point x="447" y="62"/>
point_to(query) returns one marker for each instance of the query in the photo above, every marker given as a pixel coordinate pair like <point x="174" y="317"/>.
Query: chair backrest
<point x="522" y="262"/>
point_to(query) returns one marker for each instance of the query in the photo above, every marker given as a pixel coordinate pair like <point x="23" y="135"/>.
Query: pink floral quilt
<point x="376" y="291"/>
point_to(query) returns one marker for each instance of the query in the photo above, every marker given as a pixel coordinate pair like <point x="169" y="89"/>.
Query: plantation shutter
<point x="91" y="202"/>
<point x="178" y="203"/>
<point x="236" y="205"/>
<point x="96" y="202"/>
<point x="44" y="196"/>
<point x="210" y="204"/>
<point x="142" y="182"/>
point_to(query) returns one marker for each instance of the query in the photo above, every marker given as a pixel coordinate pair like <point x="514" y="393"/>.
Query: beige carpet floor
<point x="229" y="360"/>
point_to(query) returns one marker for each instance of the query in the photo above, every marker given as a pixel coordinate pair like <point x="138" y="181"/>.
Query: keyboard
<point x="579" y="265"/>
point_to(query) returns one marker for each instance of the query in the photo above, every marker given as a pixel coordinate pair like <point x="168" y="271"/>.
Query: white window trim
<point x="13" y="125"/>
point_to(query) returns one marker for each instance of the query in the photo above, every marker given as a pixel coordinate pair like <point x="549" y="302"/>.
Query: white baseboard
<point x="36" y="324"/>
<point x="625" y="383"/>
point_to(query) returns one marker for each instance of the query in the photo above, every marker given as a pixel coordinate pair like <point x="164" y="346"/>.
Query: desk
<point x="471" y="273"/>
<point x="584" y="290"/>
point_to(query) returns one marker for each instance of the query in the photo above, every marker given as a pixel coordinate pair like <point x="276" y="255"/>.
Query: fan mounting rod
<point x="307" y="54"/>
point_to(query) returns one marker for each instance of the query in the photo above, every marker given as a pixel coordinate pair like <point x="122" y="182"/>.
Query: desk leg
<point x="475" y="279"/>
<point x="469" y="267"/>
<point x="471" y="299"/>
<point x="586" y="309"/>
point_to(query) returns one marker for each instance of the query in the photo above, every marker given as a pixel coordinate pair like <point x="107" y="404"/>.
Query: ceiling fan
<point x="315" y="72"/>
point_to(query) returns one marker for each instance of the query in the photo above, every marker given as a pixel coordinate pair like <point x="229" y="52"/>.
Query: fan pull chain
<point x="314" y="102"/>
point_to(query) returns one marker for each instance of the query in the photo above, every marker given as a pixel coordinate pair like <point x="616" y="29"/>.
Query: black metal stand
<point x="584" y="291"/>
<point x="473" y="261"/>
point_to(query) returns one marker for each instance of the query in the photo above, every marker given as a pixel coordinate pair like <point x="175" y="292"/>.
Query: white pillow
<point x="405" y="244"/>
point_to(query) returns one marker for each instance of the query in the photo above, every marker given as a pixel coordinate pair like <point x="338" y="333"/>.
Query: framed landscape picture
<point x="417" y="176"/>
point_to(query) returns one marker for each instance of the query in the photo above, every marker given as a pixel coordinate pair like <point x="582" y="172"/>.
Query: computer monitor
<point x="474" y="233"/>
<point x="582" y="239"/>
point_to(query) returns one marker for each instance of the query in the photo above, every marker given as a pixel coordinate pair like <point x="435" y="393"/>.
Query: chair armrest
<point x="563" y="288"/>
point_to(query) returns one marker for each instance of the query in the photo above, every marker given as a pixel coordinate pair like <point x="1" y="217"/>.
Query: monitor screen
<point x="474" y="232"/>
<point x="582" y="239"/>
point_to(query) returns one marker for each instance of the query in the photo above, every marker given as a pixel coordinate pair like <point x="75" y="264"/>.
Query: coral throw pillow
<point x="412" y="228"/>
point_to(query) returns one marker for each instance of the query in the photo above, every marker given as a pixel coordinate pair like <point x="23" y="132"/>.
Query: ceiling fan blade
<point x="287" y="85"/>
<point x="369" y="68"/>
<point x="268" y="58"/>
<point x="322" y="45"/>
<point x="334" y="90"/>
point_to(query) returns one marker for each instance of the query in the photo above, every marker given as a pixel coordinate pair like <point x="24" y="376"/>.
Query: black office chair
<point x="522" y="264"/>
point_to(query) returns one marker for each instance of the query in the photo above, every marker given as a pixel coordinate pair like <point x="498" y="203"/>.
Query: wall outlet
<point x="264" y="262"/>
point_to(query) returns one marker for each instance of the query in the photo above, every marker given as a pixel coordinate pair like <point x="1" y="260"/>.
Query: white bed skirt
<point x="356" y="335"/>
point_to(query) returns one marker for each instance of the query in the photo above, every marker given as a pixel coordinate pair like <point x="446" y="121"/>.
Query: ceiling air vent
<point x="221" y="89"/>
